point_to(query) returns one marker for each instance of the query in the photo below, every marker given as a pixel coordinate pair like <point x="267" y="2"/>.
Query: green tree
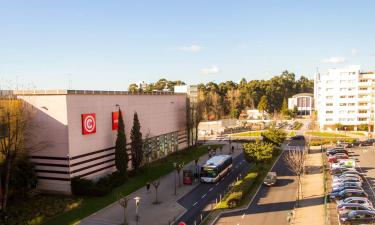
<point x="274" y="136"/>
<point x="284" y="109"/>
<point x="258" y="152"/>
<point x="121" y="155"/>
<point x="263" y="104"/>
<point x="137" y="143"/>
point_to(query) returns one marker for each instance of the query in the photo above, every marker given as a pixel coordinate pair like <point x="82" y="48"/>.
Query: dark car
<point x="336" y="192"/>
<point x="358" y="217"/>
<point x="348" y="193"/>
<point x="369" y="142"/>
<point x="345" y="145"/>
<point x="347" y="207"/>
<point x="353" y="172"/>
<point x="336" y="151"/>
<point x="298" y="138"/>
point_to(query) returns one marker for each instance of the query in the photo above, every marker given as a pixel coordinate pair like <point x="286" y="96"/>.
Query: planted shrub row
<point x="240" y="189"/>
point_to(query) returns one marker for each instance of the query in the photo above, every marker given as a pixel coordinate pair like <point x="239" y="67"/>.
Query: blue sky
<point x="109" y="44"/>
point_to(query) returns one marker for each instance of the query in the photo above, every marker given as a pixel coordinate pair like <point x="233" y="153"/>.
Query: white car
<point x="344" y="176"/>
<point x="351" y="180"/>
<point x="359" y="200"/>
<point x="348" y="163"/>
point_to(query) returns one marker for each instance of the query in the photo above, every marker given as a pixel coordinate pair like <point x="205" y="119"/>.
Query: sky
<point x="106" y="45"/>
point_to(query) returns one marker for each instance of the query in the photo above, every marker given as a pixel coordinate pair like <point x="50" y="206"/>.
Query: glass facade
<point x="161" y="146"/>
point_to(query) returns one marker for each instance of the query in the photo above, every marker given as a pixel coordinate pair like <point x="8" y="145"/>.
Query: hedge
<point x="86" y="187"/>
<point x="239" y="190"/>
<point x="318" y="142"/>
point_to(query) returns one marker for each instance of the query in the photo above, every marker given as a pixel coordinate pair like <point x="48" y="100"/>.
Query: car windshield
<point x="208" y="172"/>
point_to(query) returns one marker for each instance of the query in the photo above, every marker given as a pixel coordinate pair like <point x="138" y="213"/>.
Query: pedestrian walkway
<point x="311" y="210"/>
<point x="164" y="213"/>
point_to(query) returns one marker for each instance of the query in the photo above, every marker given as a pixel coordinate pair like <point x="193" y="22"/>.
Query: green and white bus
<point x="215" y="168"/>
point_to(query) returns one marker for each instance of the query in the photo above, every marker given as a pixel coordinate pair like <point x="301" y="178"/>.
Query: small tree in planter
<point x="121" y="155"/>
<point x="123" y="202"/>
<point x="156" y="185"/>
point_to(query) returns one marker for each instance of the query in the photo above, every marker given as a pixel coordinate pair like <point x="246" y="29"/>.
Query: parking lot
<point x="365" y="164"/>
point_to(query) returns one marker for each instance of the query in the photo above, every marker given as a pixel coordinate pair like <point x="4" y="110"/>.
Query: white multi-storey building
<point x="345" y="97"/>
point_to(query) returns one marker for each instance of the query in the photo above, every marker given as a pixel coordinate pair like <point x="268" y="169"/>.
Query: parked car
<point x="369" y="142"/>
<point x="344" y="163"/>
<point x="358" y="217"/>
<point x="337" y="190"/>
<point x="337" y="156"/>
<point x="347" y="207"/>
<point x="349" y="193"/>
<point x="298" y="137"/>
<point x="270" y="179"/>
<point x="334" y="194"/>
<point x="345" y="145"/>
<point x="347" y="185"/>
<point x="333" y="151"/>
<point x="354" y="172"/>
<point x="359" y="200"/>
<point x="344" y="180"/>
<point x="340" y="170"/>
<point x="344" y="176"/>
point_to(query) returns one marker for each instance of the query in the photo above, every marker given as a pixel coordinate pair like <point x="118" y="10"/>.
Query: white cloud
<point x="192" y="48"/>
<point x="355" y="51"/>
<point x="211" y="70"/>
<point x="335" y="60"/>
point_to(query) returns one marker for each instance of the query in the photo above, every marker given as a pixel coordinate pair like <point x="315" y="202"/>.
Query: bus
<point x="215" y="168"/>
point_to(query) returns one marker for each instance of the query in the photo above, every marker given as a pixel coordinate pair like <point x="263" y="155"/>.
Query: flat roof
<point x="90" y="92"/>
<point x="303" y="94"/>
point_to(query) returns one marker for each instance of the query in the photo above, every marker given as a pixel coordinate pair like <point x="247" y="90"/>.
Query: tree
<point x="133" y="88"/>
<point x="137" y="143"/>
<point x="258" y="152"/>
<point x="295" y="161"/>
<point x="123" y="202"/>
<point x="284" y="109"/>
<point x="263" y="105"/>
<point x="16" y="141"/>
<point x="121" y="155"/>
<point x="274" y="136"/>
<point x="156" y="185"/>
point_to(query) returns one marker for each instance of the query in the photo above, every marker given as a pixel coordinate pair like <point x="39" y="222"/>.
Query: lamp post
<point x="175" y="183"/>
<point x="137" y="201"/>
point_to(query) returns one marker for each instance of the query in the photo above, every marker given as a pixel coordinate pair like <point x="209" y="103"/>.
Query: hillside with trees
<point x="228" y="99"/>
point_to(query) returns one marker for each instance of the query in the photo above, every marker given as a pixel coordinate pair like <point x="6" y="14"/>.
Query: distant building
<point x="254" y="114"/>
<point x="345" y="96"/>
<point x="142" y="85"/>
<point x="304" y="103"/>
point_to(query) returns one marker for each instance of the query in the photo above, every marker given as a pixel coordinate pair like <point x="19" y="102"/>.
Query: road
<point x="199" y="200"/>
<point x="365" y="157"/>
<point x="271" y="204"/>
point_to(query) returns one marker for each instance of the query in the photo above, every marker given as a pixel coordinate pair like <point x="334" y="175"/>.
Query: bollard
<point x="195" y="222"/>
<point x="220" y="197"/>
<point x="201" y="217"/>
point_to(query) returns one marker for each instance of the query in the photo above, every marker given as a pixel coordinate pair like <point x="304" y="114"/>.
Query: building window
<point x="329" y="112"/>
<point x="351" y="111"/>
<point x="342" y="104"/>
<point x="343" y="96"/>
<point x="362" y="111"/>
<point x="362" y="119"/>
<point x="363" y="80"/>
<point x="329" y="104"/>
<point x="342" y="111"/>
<point x="362" y="103"/>
<point x="343" y="89"/>
<point x="363" y="88"/>
<point x="329" y="97"/>
<point x="351" y="96"/>
<point x="342" y="119"/>
<point x="351" y="104"/>
<point x="329" y="89"/>
<point x="350" y="119"/>
<point x="351" y="89"/>
<point x="329" y="119"/>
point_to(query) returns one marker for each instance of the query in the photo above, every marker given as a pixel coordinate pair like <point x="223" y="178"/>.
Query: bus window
<point x="208" y="172"/>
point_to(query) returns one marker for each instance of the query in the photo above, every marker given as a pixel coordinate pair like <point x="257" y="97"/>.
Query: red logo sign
<point x="88" y="123"/>
<point x="181" y="223"/>
<point x="114" y="120"/>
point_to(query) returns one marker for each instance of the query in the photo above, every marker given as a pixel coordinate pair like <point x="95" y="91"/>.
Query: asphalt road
<point x="365" y="157"/>
<point x="271" y="204"/>
<point x="199" y="201"/>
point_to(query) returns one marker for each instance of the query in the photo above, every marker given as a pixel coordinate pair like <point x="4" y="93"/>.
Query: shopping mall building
<point x="79" y="129"/>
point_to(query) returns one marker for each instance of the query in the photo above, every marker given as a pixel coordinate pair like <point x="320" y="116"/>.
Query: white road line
<point x="203" y="196"/>
<point x="368" y="183"/>
<point x="211" y="189"/>
<point x="195" y="203"/>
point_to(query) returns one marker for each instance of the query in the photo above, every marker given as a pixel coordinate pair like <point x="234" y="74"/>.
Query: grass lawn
<point x="359" y="133"/>
<point x="325" y="134"/>
<point x="155" y="170"/>
<point x="248" y="134"/>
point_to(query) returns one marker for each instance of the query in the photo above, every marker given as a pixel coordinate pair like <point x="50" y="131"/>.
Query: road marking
<point x="243" y="216"/>
<point x="195" y="203"/>
<point x="372" y="190"/>
<point x="211" y="189"/>
<point x="217" y="183"/>
<point x="203" y="196"/>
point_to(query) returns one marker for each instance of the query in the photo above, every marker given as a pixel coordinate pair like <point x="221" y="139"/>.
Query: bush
<point x="86" y="187"/>
<point x="274" y="136"/>
<point x="330" y="140"/>
<point x="239" y="190"/>
<point x="258" y="151"/>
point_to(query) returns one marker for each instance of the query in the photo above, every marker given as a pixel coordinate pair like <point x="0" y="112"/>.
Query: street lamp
<point x="175" y="188"/>
<point x="137" y="201"/>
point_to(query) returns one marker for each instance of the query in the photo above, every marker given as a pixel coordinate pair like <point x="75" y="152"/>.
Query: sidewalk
<point x="149" y="213"/>
<point x="311" y="210"/>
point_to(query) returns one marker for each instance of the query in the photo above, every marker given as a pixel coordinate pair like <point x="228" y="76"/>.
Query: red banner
<point x="88" y="123"/>
<point x="114" y="120"/>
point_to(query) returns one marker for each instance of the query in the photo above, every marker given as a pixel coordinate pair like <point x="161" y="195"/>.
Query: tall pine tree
<point x="137" y="143"/>
<point x="121" y="156"/>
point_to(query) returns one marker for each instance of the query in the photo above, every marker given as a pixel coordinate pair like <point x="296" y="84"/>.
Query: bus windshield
<point x="208" y="172"/>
